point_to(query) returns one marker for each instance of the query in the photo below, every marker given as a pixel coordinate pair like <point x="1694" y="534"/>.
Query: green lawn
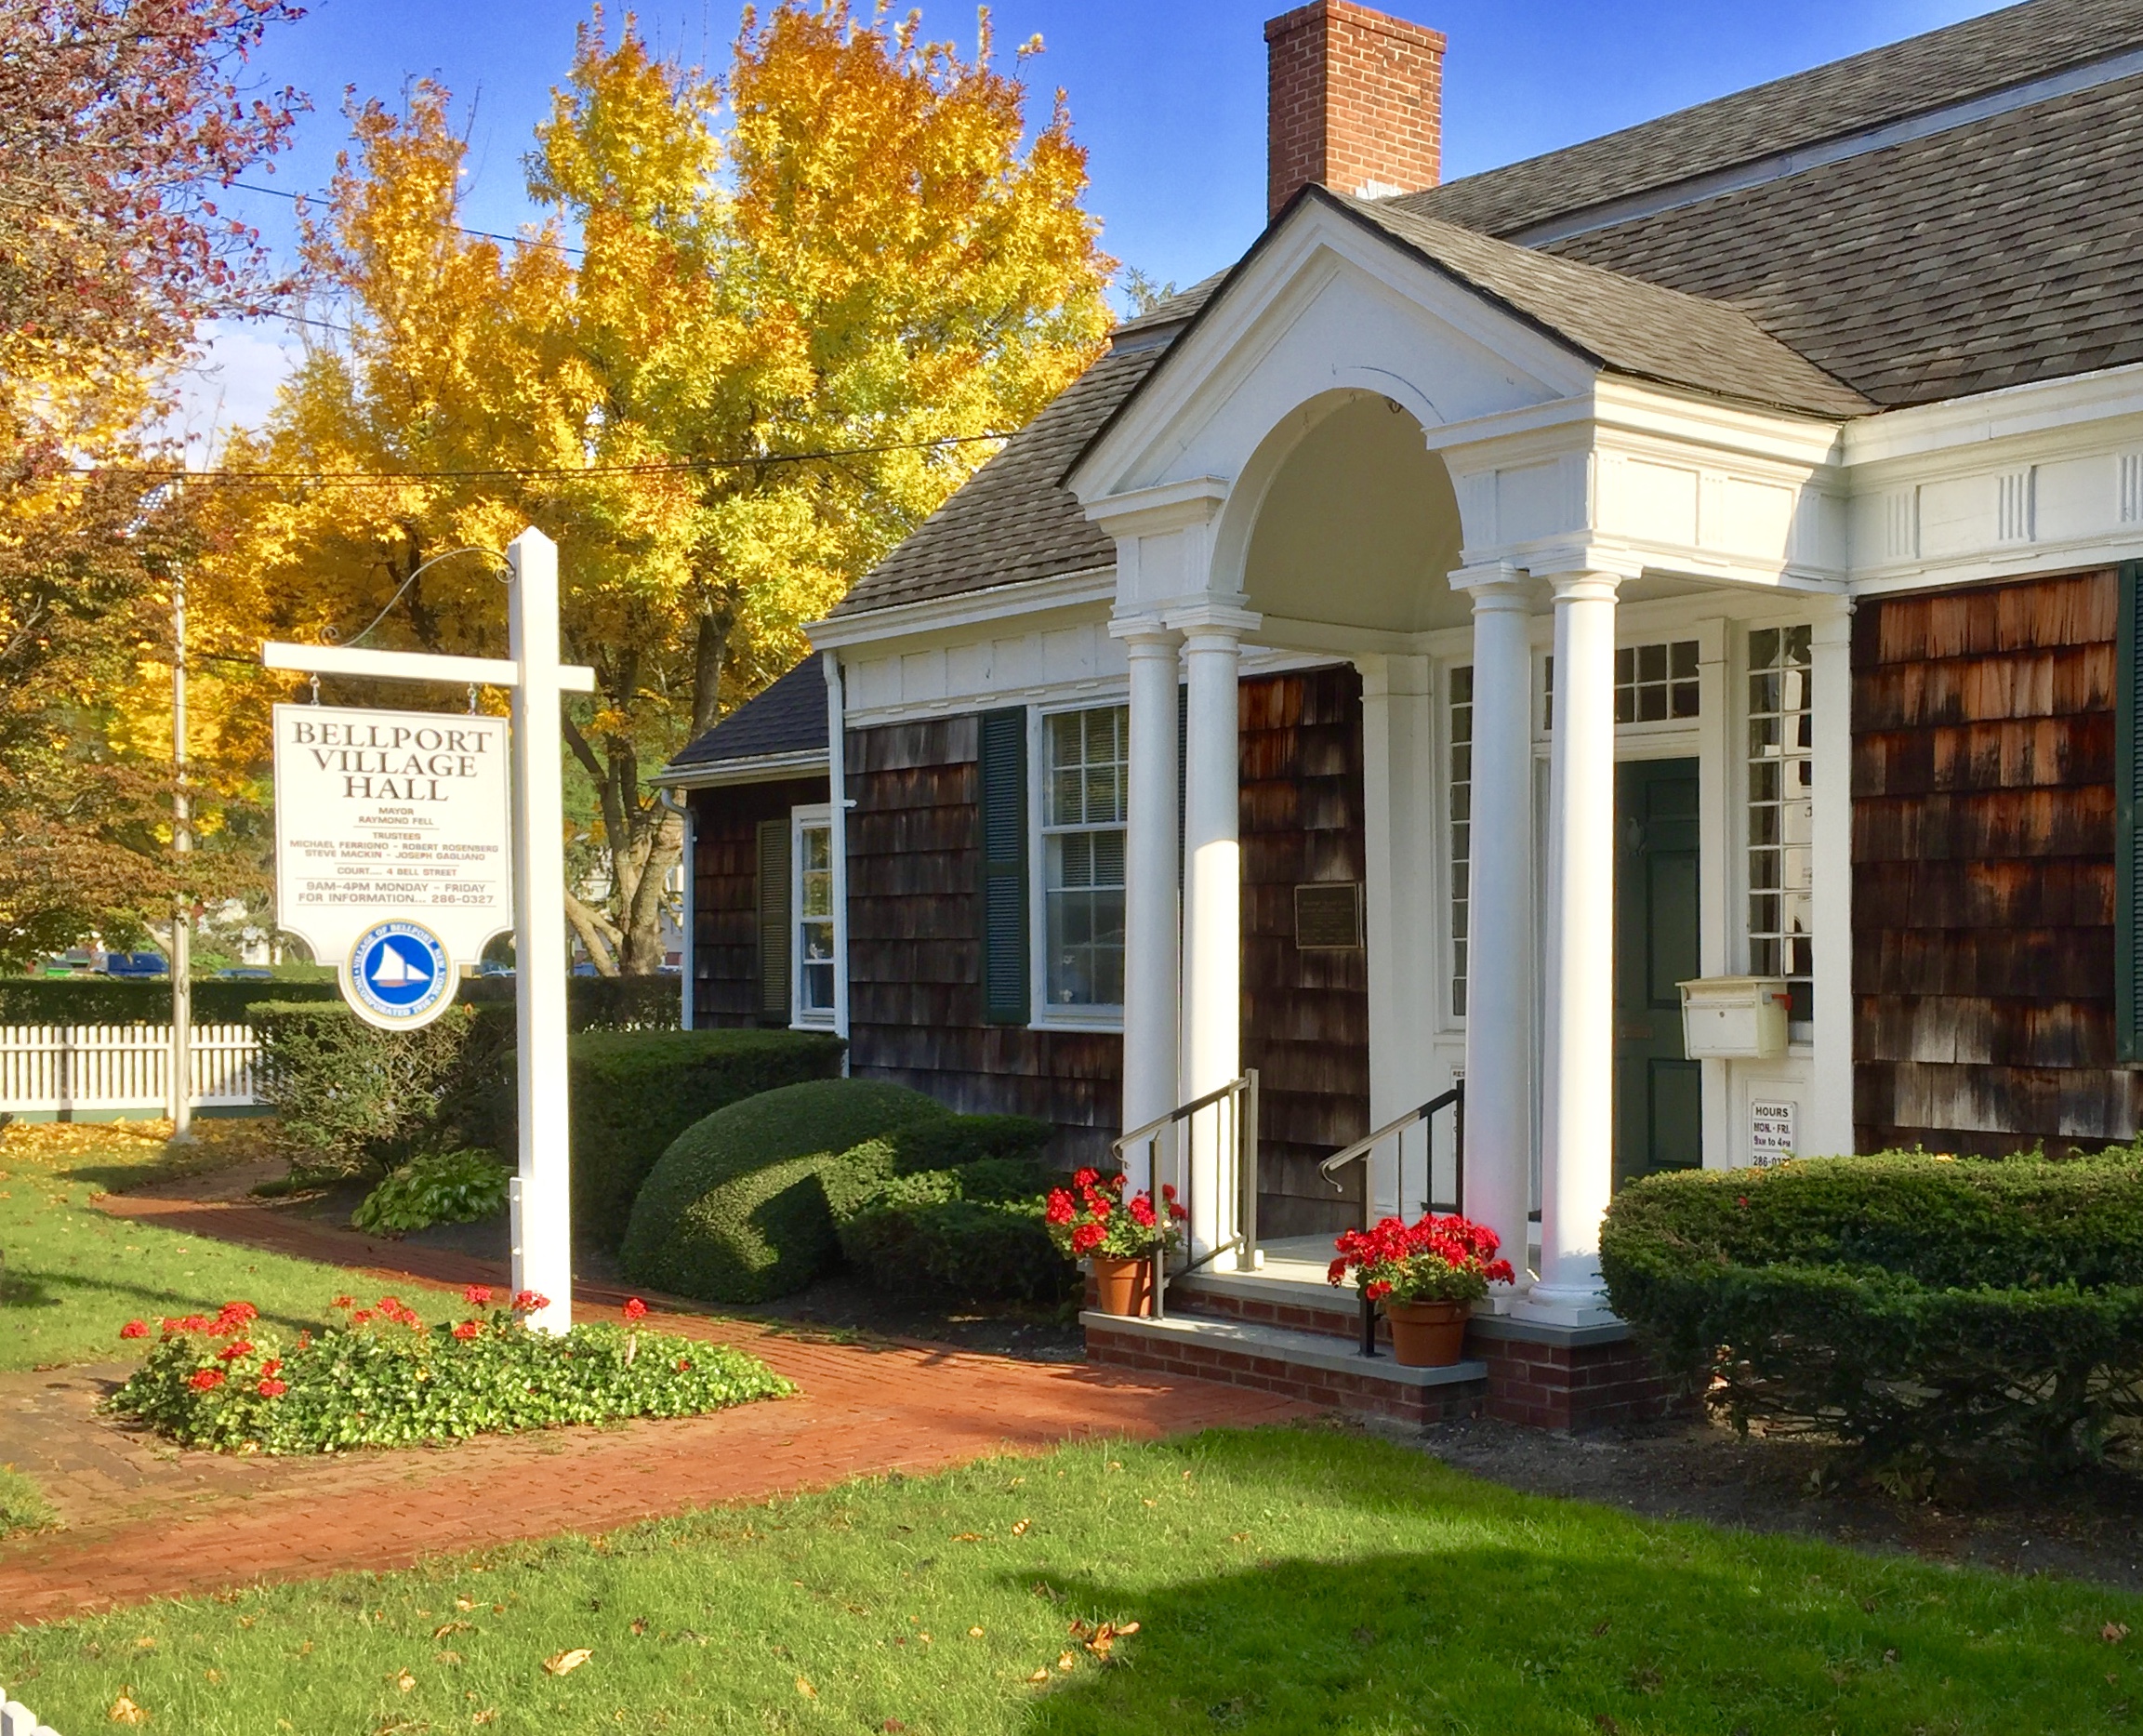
<point x="1282" y="1581"/>
<point x="75" y="1275"/>
<point x="22" y="1503"/>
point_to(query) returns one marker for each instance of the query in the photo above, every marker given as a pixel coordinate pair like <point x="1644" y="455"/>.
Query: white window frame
<point x="1043" y="1014"/>
<point x="818" y="818"/>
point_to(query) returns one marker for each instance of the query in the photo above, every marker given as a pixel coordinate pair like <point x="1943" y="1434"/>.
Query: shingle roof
<point x="1621" y="323"/>
<point x="1013" y="521"/>
<point x="2007" y="251"/>
<point x="788" y="716"/>
<point x="1905" y="78"/>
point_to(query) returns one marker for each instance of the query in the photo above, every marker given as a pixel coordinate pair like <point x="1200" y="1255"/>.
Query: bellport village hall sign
<point x="405" y="840"/>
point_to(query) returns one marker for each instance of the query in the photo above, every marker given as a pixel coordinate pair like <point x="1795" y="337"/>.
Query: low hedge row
<point x="1970" y="1312"/>
<point x="592" y="1002"/>
<point x="378" y="1098"/>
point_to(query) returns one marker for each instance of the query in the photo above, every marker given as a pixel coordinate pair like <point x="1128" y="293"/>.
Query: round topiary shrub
<point x="734" y="1211"/>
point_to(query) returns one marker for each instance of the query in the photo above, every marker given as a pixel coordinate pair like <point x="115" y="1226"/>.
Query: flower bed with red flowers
<point x="385" y="1377"/>
<point x="1433" y="1259"/>
<point x="1092" y="1219"/>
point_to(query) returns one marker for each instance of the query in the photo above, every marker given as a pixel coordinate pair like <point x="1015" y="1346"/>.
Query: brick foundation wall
<point x="1358" y="1395"/>
<point x="1577" y="1387"/>
<point x="1355" y="101"/>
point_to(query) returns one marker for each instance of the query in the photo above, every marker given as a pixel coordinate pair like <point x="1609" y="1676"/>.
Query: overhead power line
<point x="482" y="234"/>
<point x="546" y="472"/>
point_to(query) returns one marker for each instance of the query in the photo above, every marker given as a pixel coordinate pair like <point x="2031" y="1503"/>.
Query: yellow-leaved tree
<point x="801" y="297"/>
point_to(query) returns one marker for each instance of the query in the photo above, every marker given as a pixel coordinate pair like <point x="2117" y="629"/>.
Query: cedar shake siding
<point x="1305" y="1013"/>
<point x="1983" y="816"/>
<point x="915" y="948"/>
<point x="725" y="894"/>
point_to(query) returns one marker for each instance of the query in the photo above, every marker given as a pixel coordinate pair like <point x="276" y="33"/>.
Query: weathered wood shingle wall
<point x="1305" y="1013"/>
<point x="725" y="892"/>
<point x="1983" y="750"/>
<point x="915" y="948"/>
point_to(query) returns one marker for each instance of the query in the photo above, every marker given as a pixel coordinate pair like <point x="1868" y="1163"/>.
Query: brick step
<point x="1306" y="1365"/>
<point x="1262" y="1301"/>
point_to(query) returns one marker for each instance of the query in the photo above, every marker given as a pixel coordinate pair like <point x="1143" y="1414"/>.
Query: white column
<point x="1212" y="907"/>
<point x="1828" y="1129"/>
<point x="836" y="836"/>
<point x="1577" y="1160"/>
<point x="543" y="1248"/>
<point x="1152" y="942"/>
<point x="1399" y="833"/>
<point x="1500" y="917"/>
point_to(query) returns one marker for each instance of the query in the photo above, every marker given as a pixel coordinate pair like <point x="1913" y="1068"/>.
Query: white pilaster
<point x="1152" y="938"/>
<point x="1499" y="913"/>
<point x="1212" y="904"/>
<point x="1828" y="1131"/>
<point x="837" y="834"/>
<point x="1398" y="825"/>
<point x="1577" y="1162"/>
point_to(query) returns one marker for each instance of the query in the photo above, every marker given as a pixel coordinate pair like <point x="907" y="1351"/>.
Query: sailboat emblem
<point x="398" y="975"/>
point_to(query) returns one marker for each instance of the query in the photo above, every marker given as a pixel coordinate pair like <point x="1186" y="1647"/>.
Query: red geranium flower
<point x="362" y="1316"/>
<point x="206" y="1380"/>
<point x="271" y="1388"/>
<point x="272" y="1367"/>
<point x="468" y="1330"/>
<point x="1061" y="1210"/>
<point x="1086" y="1237"/>
<point x="135" y="1329"/>
<point x="477" y="1295"/>
<point x="684" y="1365"/>
<point x="239" y="1348"/>
<point x="1085" y="1178"/>
<point x="635" y="1309"/>
<point x="530" y="1302"/>
<point x="344" y="1302"/>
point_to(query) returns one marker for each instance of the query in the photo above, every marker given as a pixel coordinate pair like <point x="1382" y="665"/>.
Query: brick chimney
<point x="1356" y="102"/>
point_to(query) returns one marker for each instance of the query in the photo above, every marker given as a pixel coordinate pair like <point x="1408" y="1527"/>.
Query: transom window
<point x="1782" y="812"/>
<point x="1084" y="780"/>
<point x="1655" y="684"/>
<point x="814" y="919"/>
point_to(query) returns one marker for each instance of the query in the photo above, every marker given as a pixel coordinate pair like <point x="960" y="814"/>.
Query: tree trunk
<point x="709" y="654"/>
<point x="590" y="927"/>
<point x="643" y="911"/>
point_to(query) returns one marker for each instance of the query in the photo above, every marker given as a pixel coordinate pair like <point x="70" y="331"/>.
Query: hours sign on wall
<point x="392" y="848"/>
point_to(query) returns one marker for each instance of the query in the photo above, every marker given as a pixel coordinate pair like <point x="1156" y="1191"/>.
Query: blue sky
<point x="1167" y="96"/>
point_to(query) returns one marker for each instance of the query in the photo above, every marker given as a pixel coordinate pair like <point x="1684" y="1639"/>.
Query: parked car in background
<point x="137" y="964"/>
<point x="246" y="973"/>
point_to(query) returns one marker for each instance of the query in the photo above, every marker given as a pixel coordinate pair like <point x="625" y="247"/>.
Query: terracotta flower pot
<point x="1427" y="1334"/>
<point x="1125" y="1286"/>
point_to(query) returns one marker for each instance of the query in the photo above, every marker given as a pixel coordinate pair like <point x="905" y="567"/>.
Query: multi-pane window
<point x="1782" y="812"/>
<point x="1084" y="785"/>
<point x="1655" y="684"/>
<point x="813" y="920"/>
<point x="1462" y="787"/>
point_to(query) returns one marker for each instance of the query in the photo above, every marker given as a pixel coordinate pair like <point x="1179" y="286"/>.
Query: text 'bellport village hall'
<point x="1647" y="634"/>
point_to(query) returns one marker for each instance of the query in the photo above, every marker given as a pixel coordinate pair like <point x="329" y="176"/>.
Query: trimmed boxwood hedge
<point x="592" y="1002"/>
<point x="735" y="1210"/>
<point x="951" y="1210"/>
<point x="363" y="1096"/>
<point x="1962" y="1311"/>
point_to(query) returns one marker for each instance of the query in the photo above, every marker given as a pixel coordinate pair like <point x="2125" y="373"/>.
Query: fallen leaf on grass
<point x="1067" y="1660"/>
<point x="893" y="1724"/>
<point x="968" y="1537"/>
<point x="805" y="1688"/>
<point x="567" y="1661"/>
<point x="489" y="1716"/>
<point x="639" y="1624"/>
<point x="404" y="1680"/>
<point x="1019" y="1530"/>
<point x="1040" y="1676"/>
<point x="2113" y="1633"/>
<point x="446" y="1628"/>
<point x="447" y="1657"/>
<point x="465" y="1603"/>
<point x="974" y="1633"/>
<point x="124" y="1711"/>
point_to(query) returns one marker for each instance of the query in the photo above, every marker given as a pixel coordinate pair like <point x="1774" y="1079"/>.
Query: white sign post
<point x="396" y="855"/>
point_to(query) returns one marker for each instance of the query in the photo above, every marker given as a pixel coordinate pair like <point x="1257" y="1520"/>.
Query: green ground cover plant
<point x="439" y="1187"/>
<point x="1273" y="1581"/>
<point x="1925" y="1311"/>
<point x="735" y="1211"/>
<point x="75" y="1275"/>
<point x="22" y="1503"/>
<point x="385" y="1377"/>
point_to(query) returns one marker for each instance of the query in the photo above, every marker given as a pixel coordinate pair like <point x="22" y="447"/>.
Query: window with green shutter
<point x="773" y="925"/>
<point x="2128" y="821"/>
<point x="1004" y="866"/>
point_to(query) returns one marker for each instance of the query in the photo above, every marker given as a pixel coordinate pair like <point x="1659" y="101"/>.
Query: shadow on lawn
<point x="36" y="1289"/>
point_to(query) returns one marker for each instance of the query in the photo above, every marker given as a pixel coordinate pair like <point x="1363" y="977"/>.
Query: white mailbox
<point x="1735" y="1018"/>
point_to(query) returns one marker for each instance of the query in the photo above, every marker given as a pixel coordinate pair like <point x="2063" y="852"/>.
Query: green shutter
<point x="2128" y="822"/>
<point x="773" y="907"/>
<point x="1004" y="869"/>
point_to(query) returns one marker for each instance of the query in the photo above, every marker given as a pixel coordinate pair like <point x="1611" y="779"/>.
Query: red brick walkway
<point x="144" y="1519"/>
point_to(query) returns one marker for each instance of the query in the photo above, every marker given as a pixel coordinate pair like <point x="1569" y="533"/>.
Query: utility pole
<point x="182" y="905"/>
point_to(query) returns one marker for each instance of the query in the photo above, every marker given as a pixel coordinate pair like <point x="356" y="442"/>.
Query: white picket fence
<point x="75" y="1068"/>
<point x="16" y="1719"/>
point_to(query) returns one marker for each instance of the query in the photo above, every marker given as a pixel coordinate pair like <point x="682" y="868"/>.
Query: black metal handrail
<point x="1241" y="1096"/>
<point x="1453" y="1100"/>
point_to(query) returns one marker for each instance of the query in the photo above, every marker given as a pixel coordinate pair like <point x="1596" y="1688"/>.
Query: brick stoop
<point x="1291" y="1338"/>
<point x="1309" y="1366"/>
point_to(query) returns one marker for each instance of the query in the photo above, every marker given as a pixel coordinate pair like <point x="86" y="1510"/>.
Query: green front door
<point x="1659" y="1095"/>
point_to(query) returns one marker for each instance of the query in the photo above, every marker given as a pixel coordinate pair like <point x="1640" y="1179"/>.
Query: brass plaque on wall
<point x="1328" y="917"/>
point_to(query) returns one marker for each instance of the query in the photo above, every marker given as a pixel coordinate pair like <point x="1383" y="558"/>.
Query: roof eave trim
<point x="757" y="768"/>
<point x="1024" y="596"/>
